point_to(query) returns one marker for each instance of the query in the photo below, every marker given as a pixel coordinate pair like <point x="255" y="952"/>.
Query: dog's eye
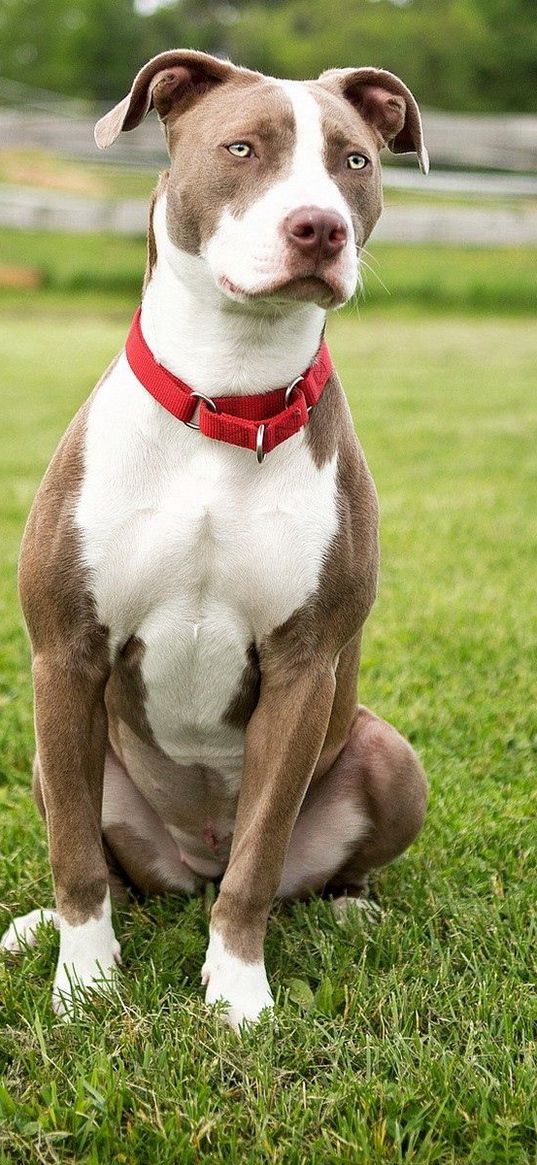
<point x="240" y="150"/>
<point x="357" y="161"/>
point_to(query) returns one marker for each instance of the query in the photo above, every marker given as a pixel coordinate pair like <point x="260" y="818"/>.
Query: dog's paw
<point x="346" y="909"/>
<point x="242" y="987"/>
<point x="88" y="972"/>
<point x="23" y="932"/>
<point x="88" y="958"/>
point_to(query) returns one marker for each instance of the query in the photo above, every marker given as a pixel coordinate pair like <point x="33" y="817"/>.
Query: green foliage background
<point x="476" y="55"/>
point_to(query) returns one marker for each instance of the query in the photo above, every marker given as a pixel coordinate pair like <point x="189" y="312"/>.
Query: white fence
<point x="499" y="142"/>
<point x="449" y="225"/>
<point x="505" y="145"/>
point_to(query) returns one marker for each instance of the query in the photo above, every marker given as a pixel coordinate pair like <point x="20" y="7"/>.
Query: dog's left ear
<point x="386" y="104"/>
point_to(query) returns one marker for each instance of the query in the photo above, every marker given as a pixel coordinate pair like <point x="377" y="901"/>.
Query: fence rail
<point x="499" y="150"/>
<point x="449" y="225"/>
<point x="503" y="143"/>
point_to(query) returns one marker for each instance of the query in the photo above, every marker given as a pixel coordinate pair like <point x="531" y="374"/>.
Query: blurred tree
<point x="83" y="48"/>
<point x="199" y="24"/>
<point x="106" y="41"/>
<point x="457" y="54"/>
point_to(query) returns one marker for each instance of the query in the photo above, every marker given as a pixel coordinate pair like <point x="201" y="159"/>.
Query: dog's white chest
<point x="198" y="551"/>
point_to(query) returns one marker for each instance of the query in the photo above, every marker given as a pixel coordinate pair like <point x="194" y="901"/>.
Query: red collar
<point x="258" y="422"/>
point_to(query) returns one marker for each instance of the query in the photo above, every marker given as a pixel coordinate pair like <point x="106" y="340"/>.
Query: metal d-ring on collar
<point x="290" y="387"/>
<point x="259" y="451"/>
<point x="208" y="401"/>
<point x="289" y="391"/>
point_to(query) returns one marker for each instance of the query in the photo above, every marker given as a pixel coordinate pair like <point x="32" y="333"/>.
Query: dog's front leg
<point x="71" y="728"/>
<point x="283" y="741"/>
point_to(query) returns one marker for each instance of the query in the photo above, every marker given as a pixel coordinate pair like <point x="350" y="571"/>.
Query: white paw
<point x="89" y="954"/>
<point x="347" y="906"/>
<point x="23" y="931"/>
<point x="87" y="973"/>
<point x="243" y="987"/>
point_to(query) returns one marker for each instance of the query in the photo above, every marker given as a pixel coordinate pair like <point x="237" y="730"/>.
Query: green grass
<point x="426" y="278"/>
<point x="410" y="1041"/>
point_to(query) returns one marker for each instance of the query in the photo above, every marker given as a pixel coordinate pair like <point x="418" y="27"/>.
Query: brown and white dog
<point x="195" y="617"/>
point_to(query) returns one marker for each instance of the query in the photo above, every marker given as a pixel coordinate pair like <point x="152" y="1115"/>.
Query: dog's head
<point x="274" y="185"/>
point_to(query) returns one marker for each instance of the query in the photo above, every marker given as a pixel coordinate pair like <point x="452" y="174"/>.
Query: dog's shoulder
<point x="52" y="579"/>
<point x="347" y="584"/>
<point x="331" y="434"/>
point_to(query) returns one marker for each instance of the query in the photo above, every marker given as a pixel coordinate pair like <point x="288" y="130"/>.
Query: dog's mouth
<point x="303" y="288"/>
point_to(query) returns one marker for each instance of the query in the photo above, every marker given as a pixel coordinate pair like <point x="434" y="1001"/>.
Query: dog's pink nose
<point x="321" y="233"/>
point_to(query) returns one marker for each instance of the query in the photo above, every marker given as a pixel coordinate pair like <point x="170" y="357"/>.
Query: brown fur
<point x="262" y="115"/>
<point x="390" y="786"/>
<point x="125" y="695"/>
<point x="242" y="706"/>
<point x="281" y="752"/>
<point x="151" y="243"/>
<point x="384" y="104"/>
<point x="70" y="669"/>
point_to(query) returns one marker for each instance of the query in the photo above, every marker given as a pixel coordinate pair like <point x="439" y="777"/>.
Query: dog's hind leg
<point x="362" y="814"/>
<point x="135" y="838"/>
<point x="24" y="931"/>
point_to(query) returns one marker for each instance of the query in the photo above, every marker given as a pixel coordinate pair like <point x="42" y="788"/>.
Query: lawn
<point x="76" y="268"/>
<point x="412" y="1040"/>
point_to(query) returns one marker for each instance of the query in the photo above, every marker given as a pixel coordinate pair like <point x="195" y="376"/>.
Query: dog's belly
<point x="195" y="555"/>
<point x="168" y="700"/>
<point x="171" y="699"/>
<point x="150" y="793"/>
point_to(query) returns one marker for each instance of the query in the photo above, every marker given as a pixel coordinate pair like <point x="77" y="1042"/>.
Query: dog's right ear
<point x="163" y="82"/>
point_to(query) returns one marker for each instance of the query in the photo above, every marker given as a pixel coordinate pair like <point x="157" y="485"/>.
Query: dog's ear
<point x="386" y="105"/>
<point x="163" y="82"/>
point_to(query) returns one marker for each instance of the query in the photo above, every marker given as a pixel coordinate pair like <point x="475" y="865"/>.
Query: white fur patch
<point x="24" y="931"/>
<point x="250" y="250"/>
<point x="88" y="957"/>
<point x="242" y="986"/>
<point x="213" y="345"/>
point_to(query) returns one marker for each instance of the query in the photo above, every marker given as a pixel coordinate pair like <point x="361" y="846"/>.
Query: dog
<point x="202" y="553"/>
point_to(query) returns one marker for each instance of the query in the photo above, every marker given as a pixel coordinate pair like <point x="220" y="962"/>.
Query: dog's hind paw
<point x="23" y="932"/>
<point x="348" y="907"/>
